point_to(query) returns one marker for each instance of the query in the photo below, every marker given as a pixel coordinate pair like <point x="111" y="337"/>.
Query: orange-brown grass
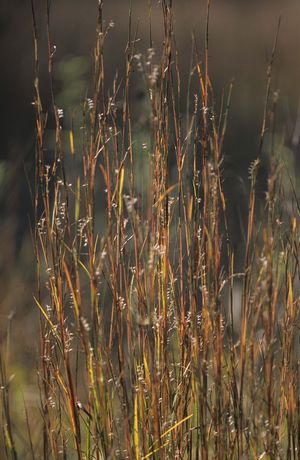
<point x="140" y="354"/>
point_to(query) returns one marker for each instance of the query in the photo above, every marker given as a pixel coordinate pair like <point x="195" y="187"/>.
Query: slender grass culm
<point x="144" y="351"/>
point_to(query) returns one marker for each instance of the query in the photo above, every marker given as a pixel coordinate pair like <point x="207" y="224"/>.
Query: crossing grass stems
<point x="139" y="354"/>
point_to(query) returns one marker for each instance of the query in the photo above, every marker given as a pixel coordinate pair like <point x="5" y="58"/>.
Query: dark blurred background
<point x="241" y="39"/>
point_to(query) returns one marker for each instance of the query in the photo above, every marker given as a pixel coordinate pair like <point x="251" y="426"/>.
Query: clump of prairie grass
<point x="140" y="354"/>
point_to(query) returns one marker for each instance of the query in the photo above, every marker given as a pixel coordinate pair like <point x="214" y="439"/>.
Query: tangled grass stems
<point x="141" y="354"/>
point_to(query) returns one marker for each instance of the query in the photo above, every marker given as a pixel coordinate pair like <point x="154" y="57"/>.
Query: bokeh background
<point x="240" y="42"/>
